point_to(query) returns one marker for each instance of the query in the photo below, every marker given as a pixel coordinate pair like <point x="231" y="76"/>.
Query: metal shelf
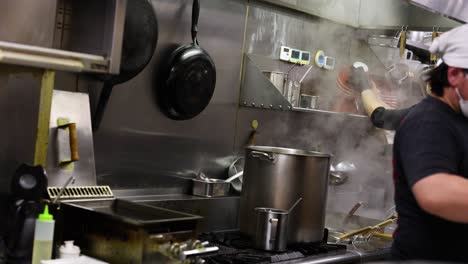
<point x="76" y="35"/>
<point x="258" y="92"/>
<point x="53" y="59"/>
<point x="308" y="110"/>
<point x="256" y="89"/>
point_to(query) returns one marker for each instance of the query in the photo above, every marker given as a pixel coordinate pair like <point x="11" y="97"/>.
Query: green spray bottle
<point x="43" y="237"/>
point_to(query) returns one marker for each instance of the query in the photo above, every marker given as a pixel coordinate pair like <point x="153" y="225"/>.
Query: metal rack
<point x="82" y="41"/>
<point x="53" y="59"/>
<point x="257" y="91"/>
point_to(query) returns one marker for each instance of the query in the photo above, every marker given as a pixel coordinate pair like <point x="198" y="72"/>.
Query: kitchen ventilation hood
<point x="384" y="14"/>
<point x="454" y="9"/>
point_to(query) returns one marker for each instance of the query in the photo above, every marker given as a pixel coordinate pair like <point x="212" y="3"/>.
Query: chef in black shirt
<point x="431" y="162"/>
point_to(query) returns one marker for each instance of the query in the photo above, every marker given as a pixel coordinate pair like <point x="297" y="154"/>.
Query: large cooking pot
<point x="276" y="178"/>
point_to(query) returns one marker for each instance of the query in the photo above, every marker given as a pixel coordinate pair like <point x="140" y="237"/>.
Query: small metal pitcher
<point x="278" y="79"/>
<point x="271" y="229"/>
<point x="308" y="101"/>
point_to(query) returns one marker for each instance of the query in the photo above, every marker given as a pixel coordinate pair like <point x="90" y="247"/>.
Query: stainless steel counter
<point x="218" y="213"/>
<point x="221" y="214"/>
<point x="351" y="256"/>
<point x="348" y="257"/>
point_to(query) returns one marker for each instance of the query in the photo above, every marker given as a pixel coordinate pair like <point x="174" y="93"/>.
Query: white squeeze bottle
<point x="43" y="237"/>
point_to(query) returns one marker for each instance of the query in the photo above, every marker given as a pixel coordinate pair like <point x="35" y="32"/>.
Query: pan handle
<point x="195" y="15"/>
<point x="102" y="103"/>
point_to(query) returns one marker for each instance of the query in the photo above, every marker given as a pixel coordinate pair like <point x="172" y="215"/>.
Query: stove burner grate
<point x="236" y="248"/>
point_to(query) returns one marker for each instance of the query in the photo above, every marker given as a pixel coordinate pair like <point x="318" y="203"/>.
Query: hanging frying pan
<point x="29" y="183"/>
<point x="189" y="80"/>
<point x="139" y="42"/>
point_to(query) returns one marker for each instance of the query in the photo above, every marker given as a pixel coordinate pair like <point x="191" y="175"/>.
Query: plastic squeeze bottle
<point x="68" y="250"/>
<point x="43" y="237"/>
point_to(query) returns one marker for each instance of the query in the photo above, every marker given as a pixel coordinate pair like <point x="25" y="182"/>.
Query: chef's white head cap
<point x="452" y="47"/>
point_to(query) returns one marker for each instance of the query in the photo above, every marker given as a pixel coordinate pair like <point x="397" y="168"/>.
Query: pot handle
<point x="263" y="156"/>
<point x="273" y="229"/>
<point x="195" y="252"/>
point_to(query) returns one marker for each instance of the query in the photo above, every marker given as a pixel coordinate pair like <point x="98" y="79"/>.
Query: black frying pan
<point x="139" y="42"/>
<point x="29" y="183"/>
<point x="189" y="79"/>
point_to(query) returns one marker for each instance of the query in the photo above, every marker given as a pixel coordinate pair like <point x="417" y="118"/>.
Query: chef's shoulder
<point x="425" y="116"/>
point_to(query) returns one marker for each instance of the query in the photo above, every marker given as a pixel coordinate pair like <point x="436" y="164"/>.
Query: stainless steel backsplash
<point x="137" y="147"/>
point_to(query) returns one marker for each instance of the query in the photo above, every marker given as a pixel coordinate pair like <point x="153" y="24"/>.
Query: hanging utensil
<point x="435" y="34"/>
<point x="189" y="79"/>
<point x="294" y="205"/>
<point x="139" y="42"/>
<point x="350" y="214"/>
<point x="237" y="166"/>
<point x="403" y="41"/>
<point x="237" y="175"/>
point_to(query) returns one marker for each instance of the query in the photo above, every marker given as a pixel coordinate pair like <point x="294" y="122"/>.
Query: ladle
<point x="294" y="205"/>
<point x="235" y="176"/>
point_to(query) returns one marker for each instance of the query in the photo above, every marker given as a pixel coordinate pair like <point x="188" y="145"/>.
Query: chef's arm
<point x="444" y="195"/>
<point x="371" y="102"/>
<point x="388" y="119"/>
<point x="381" y="115"/>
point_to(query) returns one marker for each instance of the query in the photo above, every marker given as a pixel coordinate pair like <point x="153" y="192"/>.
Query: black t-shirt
<point x="388" y="118"/>
<point x="431" y="139"/>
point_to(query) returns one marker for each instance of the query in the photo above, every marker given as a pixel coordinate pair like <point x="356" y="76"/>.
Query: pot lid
<point x="271" y="210"/>
<point x="289" y="151"/>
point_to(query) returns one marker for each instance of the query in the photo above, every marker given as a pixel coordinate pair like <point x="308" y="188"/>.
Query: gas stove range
<point x="235" y="248"/>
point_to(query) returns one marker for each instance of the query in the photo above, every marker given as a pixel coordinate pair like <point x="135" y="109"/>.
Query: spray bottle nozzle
<point x="45" y="216"/>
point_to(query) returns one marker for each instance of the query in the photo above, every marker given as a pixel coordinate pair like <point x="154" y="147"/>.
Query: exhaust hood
<point x="420" y="15"/>
<point x="454" y="9"/>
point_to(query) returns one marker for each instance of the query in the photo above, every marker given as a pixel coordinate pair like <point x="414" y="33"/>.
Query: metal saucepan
<point x="308" y="101"/>
<point x="210" y="188"/>
<point x="204" y="186"/>
<point x="271" y="231"/>
<point x="278" y="79"/>
<point x="340" y="173"/>
<point x="383" y="41"/>
<point x="139" y="42"/>
<point x="189" y="79"/>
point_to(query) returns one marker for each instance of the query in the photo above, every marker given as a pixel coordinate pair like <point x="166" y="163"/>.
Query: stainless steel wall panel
<point x="340" y="11"/>
<point x="94" y="27"/>
<point x="380" y="14"/>
<point x="137" y="146"/>
<point x="75" y="107"/>
<point x="270" y="27"/>
<point x="28" y="21"/>
<point x="348" y="138"/>
<point x="19" y="104"/>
